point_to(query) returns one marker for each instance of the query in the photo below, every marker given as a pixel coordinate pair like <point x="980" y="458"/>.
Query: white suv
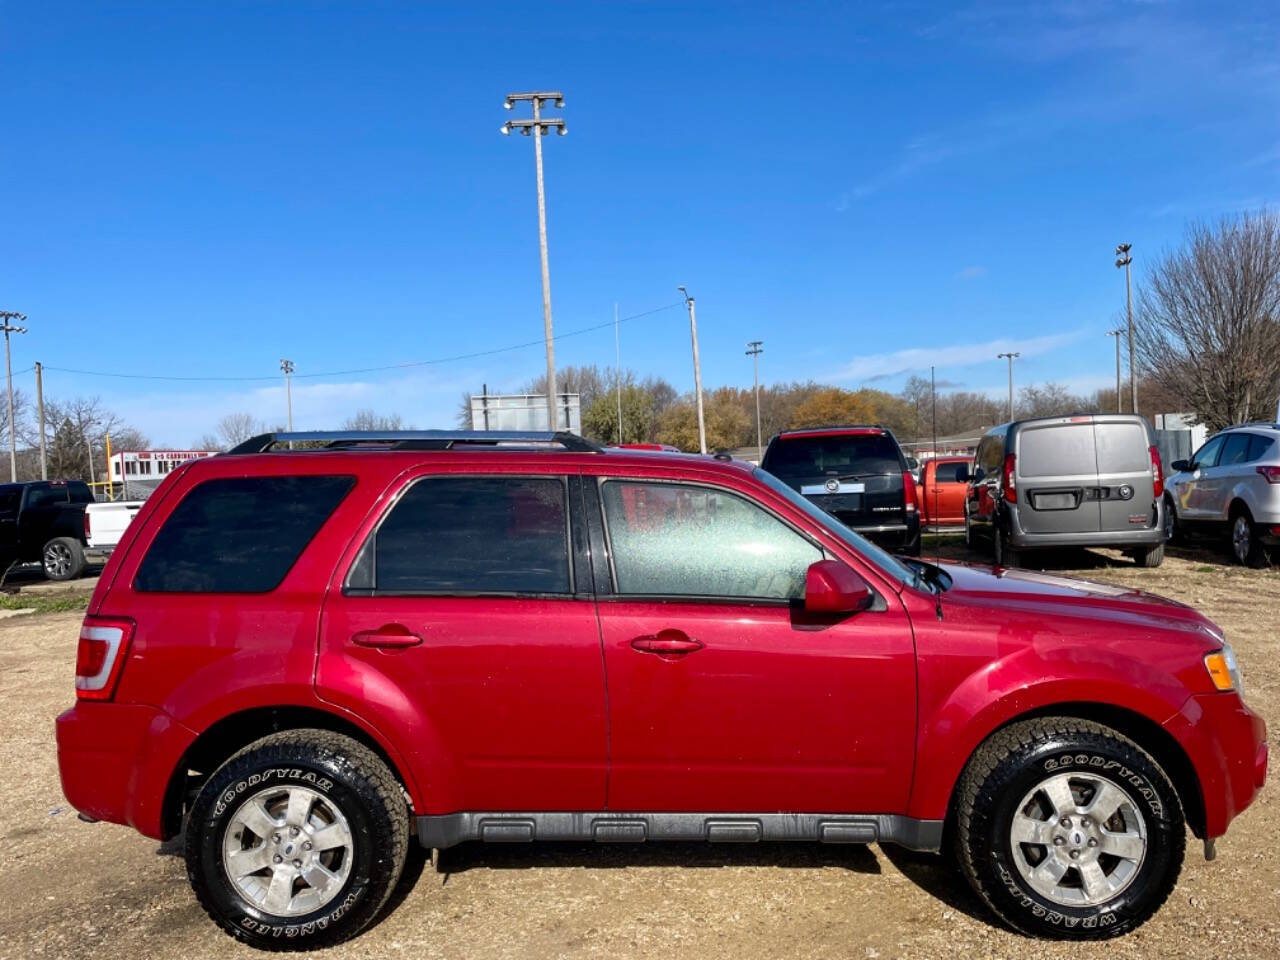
<point x="1230" y="489"/>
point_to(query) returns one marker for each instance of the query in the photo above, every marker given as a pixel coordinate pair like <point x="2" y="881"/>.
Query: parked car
<point x="941" y="492"/>
<point x="43" y="522"/>
<point x="1230" y="490"/>
<point x="309" y="660"/>
<point x="857" y="474"/>
<point x="1055" y="482"/>
<point x="104" y="524"/>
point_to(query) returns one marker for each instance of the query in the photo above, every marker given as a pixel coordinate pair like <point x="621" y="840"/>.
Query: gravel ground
<point x="68" y="889"/>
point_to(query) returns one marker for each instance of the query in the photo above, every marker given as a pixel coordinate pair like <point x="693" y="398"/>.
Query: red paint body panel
<point x="941" y="504"/>
<point x="544" y="704"/>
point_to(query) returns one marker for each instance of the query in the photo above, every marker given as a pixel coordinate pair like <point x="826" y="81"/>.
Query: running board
<point x="447" y="830"/>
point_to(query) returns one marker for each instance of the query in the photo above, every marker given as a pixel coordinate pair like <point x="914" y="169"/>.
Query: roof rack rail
<point x="415" y="440"/>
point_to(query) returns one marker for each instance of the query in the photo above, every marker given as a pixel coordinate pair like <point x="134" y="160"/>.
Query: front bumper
<point x="1227" y="744"/>
<point x="116" y="759"/>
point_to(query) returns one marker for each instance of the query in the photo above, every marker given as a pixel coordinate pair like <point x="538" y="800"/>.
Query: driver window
<point x="1207" y="455"/>
<point x="673" y="539"/>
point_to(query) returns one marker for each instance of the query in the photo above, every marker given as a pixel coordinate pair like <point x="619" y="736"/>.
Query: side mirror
<point x="979" y="475"/>
<point x="913" y="464"/>
<point x="1180" y="466"/>
<point x="962" y="473"/>
<point x="831" y="587"/>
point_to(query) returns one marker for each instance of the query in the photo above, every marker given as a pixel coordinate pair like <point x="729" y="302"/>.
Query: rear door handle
<point x="668" y="644"/>
<point x="390" y="636"/>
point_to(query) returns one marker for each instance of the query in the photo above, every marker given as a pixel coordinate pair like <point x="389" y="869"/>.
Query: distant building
<point x="130" y="465"/>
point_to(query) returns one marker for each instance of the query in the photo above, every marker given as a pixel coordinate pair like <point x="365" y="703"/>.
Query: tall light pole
<point x="1010" y="356"/>
<point x="1117" y="334"/>
<point x="8" y="316"/>
<point x="754" y="349"/>
<point x="1124" y="260"/>
<point x="697" y="369"/>
<point x="538" y="127"/>
<point x="286" y="367"/>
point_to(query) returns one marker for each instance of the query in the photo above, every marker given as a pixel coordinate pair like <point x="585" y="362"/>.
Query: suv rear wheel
<point x="1068" y="830"/>
<point x="297" y="841"/>
<point x="1246" y="545"/>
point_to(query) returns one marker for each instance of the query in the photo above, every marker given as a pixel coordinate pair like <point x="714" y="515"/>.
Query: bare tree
<point x="236" y="428"/>
<point x="368" y="420"/>
<point x="1208" y="320"/>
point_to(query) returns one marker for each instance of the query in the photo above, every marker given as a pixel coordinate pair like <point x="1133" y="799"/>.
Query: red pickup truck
<point x="941" y="491"/>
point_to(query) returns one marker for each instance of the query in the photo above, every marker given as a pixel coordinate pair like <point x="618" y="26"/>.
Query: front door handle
<point x="390" y="636"/>
<point x="667" y="644"/>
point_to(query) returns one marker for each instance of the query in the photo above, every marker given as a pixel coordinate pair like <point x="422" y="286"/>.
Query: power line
<point x="345" y="373"/>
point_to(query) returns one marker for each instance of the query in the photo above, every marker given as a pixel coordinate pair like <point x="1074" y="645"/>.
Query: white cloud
<point x="958" y="355"/>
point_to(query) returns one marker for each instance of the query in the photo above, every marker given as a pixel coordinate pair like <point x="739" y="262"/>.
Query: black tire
<point x="1003" y="554"/>
<point x="62" y="558"/>
<point x="1173" y="532"/>
<point x="1246" y="544"/>
<point x="1009" y="767"/>
<point x="1150" y="557"/>
<point x="342" y="773"/>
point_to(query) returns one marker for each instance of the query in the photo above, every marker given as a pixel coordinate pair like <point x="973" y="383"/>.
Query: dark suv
<point x="310" y="659"/>
<point x="857" y="474"/>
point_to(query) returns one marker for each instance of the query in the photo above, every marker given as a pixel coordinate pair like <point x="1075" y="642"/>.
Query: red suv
<point x="309" y="658"/>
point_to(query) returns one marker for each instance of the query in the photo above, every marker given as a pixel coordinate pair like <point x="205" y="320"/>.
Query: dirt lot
<point x="68" y="889"/>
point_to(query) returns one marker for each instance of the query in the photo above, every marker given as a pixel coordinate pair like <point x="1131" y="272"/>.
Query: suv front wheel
<point x="297" y="841"/>
<point x="1068" y="830"/>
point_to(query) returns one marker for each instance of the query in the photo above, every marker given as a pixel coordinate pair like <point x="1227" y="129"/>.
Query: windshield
<point x="891" y="567"/>
<point x="793" y="458"/>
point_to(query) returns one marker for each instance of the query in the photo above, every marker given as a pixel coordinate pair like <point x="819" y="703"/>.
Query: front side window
<point x="682" y="540"/>
<point x="1207" y="455"/>
<point x="947" y="472"/>
<point x="238" y="534"/>
<point x="470" y="535"/>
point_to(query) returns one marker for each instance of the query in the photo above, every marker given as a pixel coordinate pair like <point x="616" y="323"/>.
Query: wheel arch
<point x="1139" y="728"/>
<point x="225" y="737"/>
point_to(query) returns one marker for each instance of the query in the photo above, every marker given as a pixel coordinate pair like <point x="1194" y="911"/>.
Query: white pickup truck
<point x="104" y="525"/>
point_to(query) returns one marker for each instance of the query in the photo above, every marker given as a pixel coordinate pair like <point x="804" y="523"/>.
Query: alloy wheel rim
<point x="288" y="850"/>
<point x="1240" y="535"/>
<point x="57" y="559"/>
<point x="1078" y="839"/>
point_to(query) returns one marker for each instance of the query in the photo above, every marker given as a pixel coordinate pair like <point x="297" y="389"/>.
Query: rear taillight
<point x="104" y="645"/>
<point x="1007" y="484"/>
<point x="908" y="492"/>
<point x="1157" y="473"/>
<point x="1270" y="474"/>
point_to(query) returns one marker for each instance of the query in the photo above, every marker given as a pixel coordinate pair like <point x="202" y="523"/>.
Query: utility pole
<point x="538" y="127"/>
<point x="8" y="316"/>
<point x="1117" y="334"/>
<point x="754" y="349"/>
<point x="44" y="463"/>
<point x="286" y="367"/>
<point x="617" y="368"/>
<point x="1124" y="260"/>
<point x="697" y="369"/>
<point x="1010" y="356"/>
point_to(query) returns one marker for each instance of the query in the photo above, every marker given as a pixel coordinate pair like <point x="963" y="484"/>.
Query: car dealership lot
<point x="69" y="889"/>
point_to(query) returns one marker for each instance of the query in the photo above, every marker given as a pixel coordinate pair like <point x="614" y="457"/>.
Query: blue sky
<point x="199" y="190"/>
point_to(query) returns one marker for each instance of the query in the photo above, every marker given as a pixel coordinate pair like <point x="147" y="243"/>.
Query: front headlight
<point x="1223" y="669"/>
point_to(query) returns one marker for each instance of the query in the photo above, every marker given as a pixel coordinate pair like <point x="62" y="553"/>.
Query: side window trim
<point x="370" y="542"/>
<point x="616" y="594"/>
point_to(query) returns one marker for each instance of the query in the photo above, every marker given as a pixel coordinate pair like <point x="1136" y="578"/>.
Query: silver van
<point x="1082" y="481"/>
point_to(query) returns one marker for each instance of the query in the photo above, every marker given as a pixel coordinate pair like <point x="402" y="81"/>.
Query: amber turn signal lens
<point x="1219" y="671"/>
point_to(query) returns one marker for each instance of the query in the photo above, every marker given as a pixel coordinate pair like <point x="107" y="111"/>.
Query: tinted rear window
<point x="1258" y="446"/>
<point x="1122" y="448"/>
<point x="1063" y="450"/>
<point x="796" y="457"/>
<point x="238" y="534"/>
<point x="467" y="535"/>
